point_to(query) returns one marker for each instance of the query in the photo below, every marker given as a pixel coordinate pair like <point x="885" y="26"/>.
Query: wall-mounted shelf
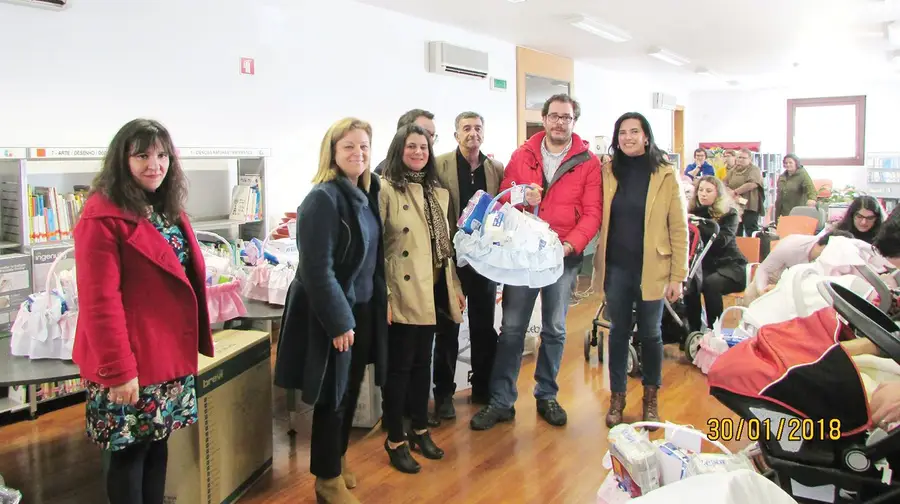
<point x="56" y="174"/>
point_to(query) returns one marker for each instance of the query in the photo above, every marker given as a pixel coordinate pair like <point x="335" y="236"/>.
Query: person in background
<point x="791" y="251"/>
<point x="862" y="219"/>
<point x="642" y="255"/>
<point x="795" y="187"/>
<point x="143" y="317"/>
<point x="887" y="241"/>
<point x="335" y="314"/>
<point x="745" y="186"/>
<point x="563" y="180"/>
<point x="700" y="167"/>
<point x="463" y="172"/>
<point x="730" y="158"/>
<point x="423" y="118"/>
<point x="605" y="159"/>
<point x="724" y="267"/>
<point x="422" y="286"/>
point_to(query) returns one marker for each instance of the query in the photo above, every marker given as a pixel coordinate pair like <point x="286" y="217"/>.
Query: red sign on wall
<point x="248" y="67"/>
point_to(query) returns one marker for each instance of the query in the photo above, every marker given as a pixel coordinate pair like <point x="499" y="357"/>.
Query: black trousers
<point x="481" y="296"/>
<point x="331" y="423"/>
<point x="408" y="378"/>
<point x="749" y="223"/>
<point x="137" y="474"/>
<point x="714" y="286"/>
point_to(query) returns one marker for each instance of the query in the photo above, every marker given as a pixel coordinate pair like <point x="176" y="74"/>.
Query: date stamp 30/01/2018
<point x="784" y="429"/>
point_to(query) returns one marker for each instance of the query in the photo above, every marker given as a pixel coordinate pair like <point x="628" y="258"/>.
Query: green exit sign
<point x="498" y="84"/>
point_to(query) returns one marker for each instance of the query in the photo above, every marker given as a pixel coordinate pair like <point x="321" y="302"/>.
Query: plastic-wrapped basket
<point x="223" y="299"/>
<point x="532" y="258"/>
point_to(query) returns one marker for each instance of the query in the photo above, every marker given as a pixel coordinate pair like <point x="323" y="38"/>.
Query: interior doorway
<point x="531" y="128"/>
<point x="678" y="132"/>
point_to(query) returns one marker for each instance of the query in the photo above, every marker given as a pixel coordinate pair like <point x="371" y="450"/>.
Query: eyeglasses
<point x="565" y="119"/>
<point x="867" y="218"/>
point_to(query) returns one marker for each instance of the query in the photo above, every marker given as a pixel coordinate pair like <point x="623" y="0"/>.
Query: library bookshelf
<point x="41" y="193"/>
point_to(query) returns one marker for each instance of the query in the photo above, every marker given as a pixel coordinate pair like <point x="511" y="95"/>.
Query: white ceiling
<point x="748" y="41"/>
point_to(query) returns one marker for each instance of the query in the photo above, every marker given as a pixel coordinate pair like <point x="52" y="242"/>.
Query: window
<point x="828" y="131"/>
<point x="539" y="89"/>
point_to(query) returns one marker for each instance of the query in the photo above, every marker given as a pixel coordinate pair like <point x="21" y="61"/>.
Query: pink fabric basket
<point x="223" y="300"/>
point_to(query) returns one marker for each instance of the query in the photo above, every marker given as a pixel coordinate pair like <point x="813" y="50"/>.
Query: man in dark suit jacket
<point x="423" y="118"/>
<point x="464" y="171"/>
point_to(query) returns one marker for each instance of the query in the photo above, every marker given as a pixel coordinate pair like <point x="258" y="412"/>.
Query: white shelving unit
<point x="883" y="178"/>
<point x="211" y="172"/>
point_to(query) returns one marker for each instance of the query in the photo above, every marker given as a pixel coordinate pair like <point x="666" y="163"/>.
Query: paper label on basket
<point x="684" y="440"/>
<point x="517" y="195"/>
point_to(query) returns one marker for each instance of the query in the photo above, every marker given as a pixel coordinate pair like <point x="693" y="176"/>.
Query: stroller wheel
<point x="692" y="345"/>
<point x="633" y="367"/>
<point x="587" y="345"/>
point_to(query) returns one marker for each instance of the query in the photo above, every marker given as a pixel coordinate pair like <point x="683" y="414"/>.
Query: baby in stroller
<point x="804" y="400"/>
<point x="675" y="327"/>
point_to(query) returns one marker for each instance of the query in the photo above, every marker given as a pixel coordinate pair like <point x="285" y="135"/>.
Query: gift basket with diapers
<point x="507" y="245"/>
<point x="44" y="327"/>
<point x="675" y="468"/>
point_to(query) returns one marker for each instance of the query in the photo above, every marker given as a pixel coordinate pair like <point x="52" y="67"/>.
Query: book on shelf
<point x="246" y="199"/>
<point x="51" y="215"/>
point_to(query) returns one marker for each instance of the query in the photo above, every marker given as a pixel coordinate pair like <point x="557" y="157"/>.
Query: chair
<point x="749" y="247"/>
<point x="796" y="224"/>
<point x="813" y="212"/>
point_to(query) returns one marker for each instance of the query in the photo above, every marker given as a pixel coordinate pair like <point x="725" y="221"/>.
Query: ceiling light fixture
<point x="599" y="29"/>
<point x="706" y="72"/>
<point x="668" y="56"/>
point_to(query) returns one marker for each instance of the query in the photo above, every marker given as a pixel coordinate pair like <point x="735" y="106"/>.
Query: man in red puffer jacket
<point x="563" y="176"/>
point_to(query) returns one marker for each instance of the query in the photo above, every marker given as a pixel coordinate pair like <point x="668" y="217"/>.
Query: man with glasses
<point x="464" y="171"/>
<point x="563" y="180"/>
<point x="423" y="118"/>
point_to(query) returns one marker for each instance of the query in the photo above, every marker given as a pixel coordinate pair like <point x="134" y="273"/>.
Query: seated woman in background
<point x="724" y="267"/>
<point x="795" y="187"/>
<point x="700" y="167"/>
<point x="863" y="218"/>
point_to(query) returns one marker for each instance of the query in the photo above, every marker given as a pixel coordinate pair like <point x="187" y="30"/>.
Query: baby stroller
<point x="800" y="394"/>
<point x="675" y="327"/>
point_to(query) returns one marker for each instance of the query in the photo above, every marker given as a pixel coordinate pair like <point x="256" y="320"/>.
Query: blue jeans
<point x="518" y="303"/>
<point x="623" y="295"/>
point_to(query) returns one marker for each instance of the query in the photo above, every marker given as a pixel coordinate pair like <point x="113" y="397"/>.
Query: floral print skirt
<point x="160" y="410"/>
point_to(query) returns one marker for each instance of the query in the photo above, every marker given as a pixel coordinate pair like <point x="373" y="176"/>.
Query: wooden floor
<point x="526" y="461"/>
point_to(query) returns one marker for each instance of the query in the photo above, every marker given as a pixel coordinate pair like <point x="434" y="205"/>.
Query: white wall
<point x="72" y="78"/>
<point x="761" y="116"/>
<point x="605" y="95"/>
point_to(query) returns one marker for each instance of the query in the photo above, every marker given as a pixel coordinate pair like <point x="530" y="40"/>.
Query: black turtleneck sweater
<point x="625" y="243"/>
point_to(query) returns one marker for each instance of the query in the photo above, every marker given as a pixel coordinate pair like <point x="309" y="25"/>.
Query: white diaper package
<point x="634" y="460"/>
<point x="708" y="463"/>
<point x="673" y="462"/>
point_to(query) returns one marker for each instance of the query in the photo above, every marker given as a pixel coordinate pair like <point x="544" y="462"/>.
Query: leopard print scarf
<point x="441" y="248"/>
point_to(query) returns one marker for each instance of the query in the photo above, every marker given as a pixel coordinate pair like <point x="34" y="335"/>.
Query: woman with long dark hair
<point x="421" y="281"/>
<point x="863" y="218"/>
<point x="335" y="314"/>
<point x="641" y="255"/>
<point x="142" y="309"/>
<point x="724" y="266"/>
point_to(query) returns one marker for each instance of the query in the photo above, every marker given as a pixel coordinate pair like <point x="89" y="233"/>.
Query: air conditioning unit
<point x="664" y="101"/>
<point x="444" y="58"/>
<point x="43" y="4"/>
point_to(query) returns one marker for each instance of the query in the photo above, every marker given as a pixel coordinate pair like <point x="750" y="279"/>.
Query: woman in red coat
<point x="142" y="309"/>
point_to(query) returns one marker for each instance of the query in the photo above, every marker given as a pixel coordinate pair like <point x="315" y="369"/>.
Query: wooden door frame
<point x="678" y="131"/>
<point x="532" y="62"/>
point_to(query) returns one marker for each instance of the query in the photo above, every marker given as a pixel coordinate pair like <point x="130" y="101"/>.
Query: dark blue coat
<point x="319" y="303"/>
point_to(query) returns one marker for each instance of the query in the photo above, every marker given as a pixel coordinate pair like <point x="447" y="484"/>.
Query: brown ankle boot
<point x="651" y="413"/>
<point x="349" y="477"/>
<point x="616" y="408"/>
<point x="333" y="491"/>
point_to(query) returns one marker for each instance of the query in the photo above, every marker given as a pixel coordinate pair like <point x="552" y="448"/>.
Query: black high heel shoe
<point x="402" y="459"/>
<point x="425" y="444"/>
